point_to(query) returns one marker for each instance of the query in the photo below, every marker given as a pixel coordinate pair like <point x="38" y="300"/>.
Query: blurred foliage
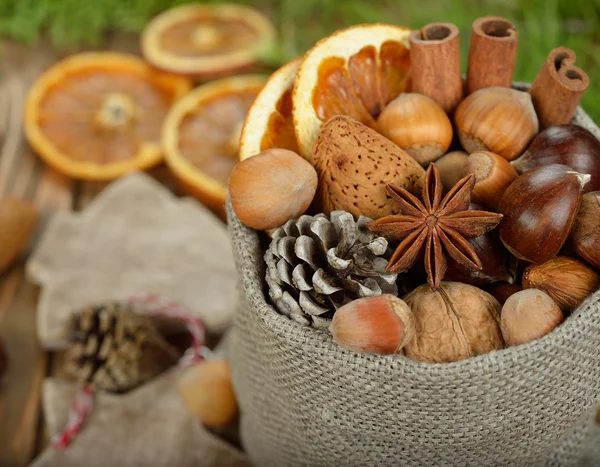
<point x="542" y="24"/>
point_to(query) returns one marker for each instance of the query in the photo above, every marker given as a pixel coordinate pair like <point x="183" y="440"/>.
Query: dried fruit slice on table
<point x="207" y="40"/>
<point x="201" y="136"/>
<point x="354" y="72"/>
<point x="97" y="116"/>
<point x="269" y="123"/>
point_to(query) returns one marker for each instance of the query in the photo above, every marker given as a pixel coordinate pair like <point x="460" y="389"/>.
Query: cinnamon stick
<point x="558" y="88"/>
<point x="492" y="54"/>
<point x="435" y="64"/>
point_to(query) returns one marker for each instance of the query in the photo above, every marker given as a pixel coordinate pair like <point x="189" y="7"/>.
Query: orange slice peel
<point x="269" y="122"/>
<point x="95" y="116"/>
<point x="207" y="40"/>
<point x="201" y="135"/>
<point x="354" y="72"/>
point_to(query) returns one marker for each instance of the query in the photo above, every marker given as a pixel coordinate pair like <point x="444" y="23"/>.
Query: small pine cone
<point x="316" y="264"/>
<point x="115" y="349"/>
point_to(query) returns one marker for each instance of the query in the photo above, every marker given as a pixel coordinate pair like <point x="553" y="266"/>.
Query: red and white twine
<point x="152" y="305"/>
<point x="160" y="307"/>
<point x="82" y="406"/>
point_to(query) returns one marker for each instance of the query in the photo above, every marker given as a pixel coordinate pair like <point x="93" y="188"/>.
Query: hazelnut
<point x="453" y="323"/>
<point x="567" y="280"/>
<point x="207" y="392"/>
<point x="500" y="120"/>
<point x="378" y="325"/>
<point x="271" y="188"/>
<point x="528" y="315"/>
<point x="452" y="168"/>
<point x="418" y="125"/>
<point x="493" y="175"/>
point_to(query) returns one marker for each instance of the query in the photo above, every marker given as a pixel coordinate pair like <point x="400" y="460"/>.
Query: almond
<point x="355" y="163"/>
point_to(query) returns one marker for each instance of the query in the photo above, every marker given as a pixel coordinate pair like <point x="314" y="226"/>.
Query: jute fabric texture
<point x="307" y="402"/>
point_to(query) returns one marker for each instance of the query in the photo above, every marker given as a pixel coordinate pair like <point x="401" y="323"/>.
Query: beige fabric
<point x="149" y="426"/>
<point x="134" y="237"/>
<point x="305" y="401"/>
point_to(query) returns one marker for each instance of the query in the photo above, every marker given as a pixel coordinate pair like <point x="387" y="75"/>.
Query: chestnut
<point x="569" y="145"/>
<point x="493" y="255"/>
<point x="539" y="210"/>
<point x="501" y="291"/>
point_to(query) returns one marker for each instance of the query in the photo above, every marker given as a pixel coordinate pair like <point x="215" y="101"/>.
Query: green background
<point x="542" y="25"/>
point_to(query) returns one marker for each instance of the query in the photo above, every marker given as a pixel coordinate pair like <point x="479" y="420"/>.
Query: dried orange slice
<point x="207" y="40"/>
<point x="269" y="123"/>
<point x="355" y="72"/>
<point x="97" y="116"/>
<point x="201" y="135"/>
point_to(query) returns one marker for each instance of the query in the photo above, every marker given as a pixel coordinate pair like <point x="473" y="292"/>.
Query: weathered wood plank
<point x="22" y="174"/>
<point x="20" y="392"/>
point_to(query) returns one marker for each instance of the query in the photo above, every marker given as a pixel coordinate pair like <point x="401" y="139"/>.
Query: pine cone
<point x="115" y="349"/>
<point x="316" y="264"/>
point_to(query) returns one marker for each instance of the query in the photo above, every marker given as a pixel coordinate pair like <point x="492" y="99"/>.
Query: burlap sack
<point x="306" y="401"/>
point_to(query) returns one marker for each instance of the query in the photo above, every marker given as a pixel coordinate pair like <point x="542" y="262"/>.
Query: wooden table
<point x="23" y="175"/>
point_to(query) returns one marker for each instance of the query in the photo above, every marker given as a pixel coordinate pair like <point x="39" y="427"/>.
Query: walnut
<point x="355" y="163"/>
<point x="456" y="322"/>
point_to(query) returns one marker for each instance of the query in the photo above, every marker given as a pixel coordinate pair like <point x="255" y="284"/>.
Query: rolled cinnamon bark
<point x="492" y="54"/>
<point x="558" y="88"/>
<point x="435" y="64"/>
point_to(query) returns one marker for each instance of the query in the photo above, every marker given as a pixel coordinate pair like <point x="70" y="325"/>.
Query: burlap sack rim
<point x="275" y="323"/>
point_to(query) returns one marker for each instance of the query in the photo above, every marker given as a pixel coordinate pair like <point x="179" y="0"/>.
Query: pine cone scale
<point x="317" y="264"/>
<point x="115" y="349"/>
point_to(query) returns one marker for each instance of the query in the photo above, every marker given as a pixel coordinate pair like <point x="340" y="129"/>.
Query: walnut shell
<point x="355" y="163"/>
<point x="456" y="322"/>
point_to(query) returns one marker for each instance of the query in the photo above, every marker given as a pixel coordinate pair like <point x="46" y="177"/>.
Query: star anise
<point x="438" y="227"/>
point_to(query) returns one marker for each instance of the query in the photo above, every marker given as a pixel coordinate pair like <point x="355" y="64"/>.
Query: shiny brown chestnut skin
<point x="586" y="230"/>
<point x="492" y="254"/>
<point x="569" y="145"/>
<point x="501" y="291"/>
<point x="539" y="210"/>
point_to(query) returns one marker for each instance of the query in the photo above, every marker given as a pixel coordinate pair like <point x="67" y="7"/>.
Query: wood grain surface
<point x="22" y="174"/>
